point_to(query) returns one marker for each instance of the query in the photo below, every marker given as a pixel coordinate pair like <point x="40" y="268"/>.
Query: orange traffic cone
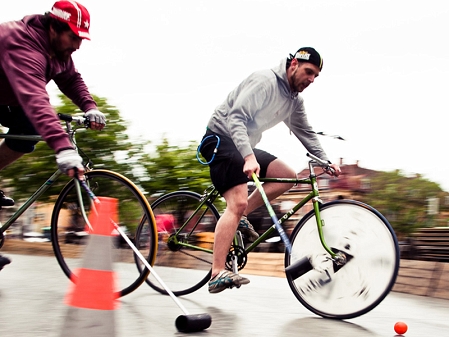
<point x="92" y="299"/>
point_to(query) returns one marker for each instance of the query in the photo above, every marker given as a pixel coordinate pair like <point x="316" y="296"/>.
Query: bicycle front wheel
<point x="370" y="244"/>
<point x="184" y="255"/>
<point x="70" y="235"/>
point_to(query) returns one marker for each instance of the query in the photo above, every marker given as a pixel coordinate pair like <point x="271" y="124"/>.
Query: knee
<point x="289" y="172"/>
<point x="241" y="205"/>
<point x="293" y="175"/>
<point x="238" y="206"/>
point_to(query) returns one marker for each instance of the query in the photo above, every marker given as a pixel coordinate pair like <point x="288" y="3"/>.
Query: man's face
<point x="301" y="75"/>
<point x="64" y="44"/>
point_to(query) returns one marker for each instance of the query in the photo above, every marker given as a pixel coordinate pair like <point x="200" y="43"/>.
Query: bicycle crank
<point x="236" y="259"/>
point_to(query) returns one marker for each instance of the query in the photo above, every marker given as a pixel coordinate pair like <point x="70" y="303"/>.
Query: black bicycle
<point x="70" y="218"/>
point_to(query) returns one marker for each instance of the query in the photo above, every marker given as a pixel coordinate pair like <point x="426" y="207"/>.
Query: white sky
<point x="166" y="65"/>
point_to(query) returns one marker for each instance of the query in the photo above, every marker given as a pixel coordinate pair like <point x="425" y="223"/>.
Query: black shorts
<point x="226" y="169"/>
<point x="13" y="117"/>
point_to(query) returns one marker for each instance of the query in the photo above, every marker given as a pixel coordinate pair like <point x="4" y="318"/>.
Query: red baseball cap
<point x="75" y="15"/>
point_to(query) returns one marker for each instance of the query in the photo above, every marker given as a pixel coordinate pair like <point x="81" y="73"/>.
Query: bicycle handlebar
<point x="323" y="163"/>
<point x="80" y="120"/>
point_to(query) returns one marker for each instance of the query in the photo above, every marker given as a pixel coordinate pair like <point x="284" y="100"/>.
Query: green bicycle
<point x="341" y="260"/>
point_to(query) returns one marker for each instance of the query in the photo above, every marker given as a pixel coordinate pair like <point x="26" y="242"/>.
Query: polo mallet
<point x="273" y="216"/>
<point x="301" y="266"/>
<point x="184" y="323"/>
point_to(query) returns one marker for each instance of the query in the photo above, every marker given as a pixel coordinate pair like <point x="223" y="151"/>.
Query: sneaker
<point x="226" y="279"/>
<point x="4" y="261"/>
<point x="247" y="230"/>
<point x="4" y="200"/>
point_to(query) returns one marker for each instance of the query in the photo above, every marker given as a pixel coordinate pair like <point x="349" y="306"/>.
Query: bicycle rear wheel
<point x="183" y="248"/>
<point x="368" y="240"/>
<point x="70" y="235"/>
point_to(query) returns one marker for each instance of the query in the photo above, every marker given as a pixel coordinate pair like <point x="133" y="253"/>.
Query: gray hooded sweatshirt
<point x="261" y="101"/>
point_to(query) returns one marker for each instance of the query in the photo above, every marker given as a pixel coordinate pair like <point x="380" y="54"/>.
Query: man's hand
<point x="336" y="170"/>
<point x="251" y="166"/>
<point x="97" y="119"/>
<point x="69" y="162"/>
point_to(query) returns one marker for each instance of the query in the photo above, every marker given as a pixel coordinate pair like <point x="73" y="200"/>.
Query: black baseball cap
<point x="309" y="54"/>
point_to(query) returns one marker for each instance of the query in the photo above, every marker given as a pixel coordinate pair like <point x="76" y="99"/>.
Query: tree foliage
<point x="109" y="148"/>
<point x="170" y="168"/>
<point x="403" y="200"/>
<point x="166" y="168"/>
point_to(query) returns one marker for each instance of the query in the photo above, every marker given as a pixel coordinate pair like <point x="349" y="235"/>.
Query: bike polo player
<point x="261" y="101"/>
<point x="34" y="51"/>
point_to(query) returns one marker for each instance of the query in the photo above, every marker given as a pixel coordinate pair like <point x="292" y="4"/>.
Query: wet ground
<point x="33" y="288"/>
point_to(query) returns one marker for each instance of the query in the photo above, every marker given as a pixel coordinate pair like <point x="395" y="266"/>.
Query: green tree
<point x="171" y="168"/>
<point x="109" y="148"/>
<point x="403" y="200"/>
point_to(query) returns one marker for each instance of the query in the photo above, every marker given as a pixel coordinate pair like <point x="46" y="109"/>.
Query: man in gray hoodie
<point x="261" y="101"/>
<point x="34" y="51"/>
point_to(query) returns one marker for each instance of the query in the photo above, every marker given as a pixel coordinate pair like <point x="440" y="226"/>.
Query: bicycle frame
<point x="313" y="195"/>
<point x="207" y="197"/>
<point x="211" y="194"/>
<point x="44" y="187"/>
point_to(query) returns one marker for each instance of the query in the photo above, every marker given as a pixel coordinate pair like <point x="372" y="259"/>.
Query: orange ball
<point x="400" y="328"/>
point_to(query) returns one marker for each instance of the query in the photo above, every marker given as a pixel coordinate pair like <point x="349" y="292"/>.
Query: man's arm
<point x="248" y="101"/>
<point x="73" y="86"/>
<point x="301" y="128"/>
<point x="25" y="71"/>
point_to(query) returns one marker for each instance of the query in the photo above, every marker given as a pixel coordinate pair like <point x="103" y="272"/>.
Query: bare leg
<point x="8" y="156"/>
<point x="276" y="169"/>
<point x="236" y="202"/>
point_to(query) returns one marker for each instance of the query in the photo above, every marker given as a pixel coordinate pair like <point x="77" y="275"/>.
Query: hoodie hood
<point x="281" y="75"/>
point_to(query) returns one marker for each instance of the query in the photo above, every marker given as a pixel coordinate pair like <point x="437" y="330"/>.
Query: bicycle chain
<point x="242" y="257"/>
<point x="195" y="257"/>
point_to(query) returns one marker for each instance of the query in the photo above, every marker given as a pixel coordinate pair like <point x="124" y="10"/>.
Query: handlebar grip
<point x="320" y="161"/>
<point x="69" y="118"/>
<point x="65" y="117"/>
<point x="323" y="163"/>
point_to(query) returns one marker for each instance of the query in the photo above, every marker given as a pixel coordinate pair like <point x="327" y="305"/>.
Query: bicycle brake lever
<point x="329" y="170"/>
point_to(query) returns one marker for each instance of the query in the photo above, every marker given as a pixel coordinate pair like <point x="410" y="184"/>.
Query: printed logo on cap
<point x="61" y="14"/>
<point x="303" y="55"/>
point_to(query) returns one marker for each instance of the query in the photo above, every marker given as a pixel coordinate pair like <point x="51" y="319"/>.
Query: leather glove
<point x="69" y="159"/>
<point x="96" y="116"/>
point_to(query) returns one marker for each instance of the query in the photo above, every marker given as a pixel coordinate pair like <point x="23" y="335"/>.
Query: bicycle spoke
<point x="70" y="234"/>
<point x="181" y="223"/>
<point x="367" y="277"/>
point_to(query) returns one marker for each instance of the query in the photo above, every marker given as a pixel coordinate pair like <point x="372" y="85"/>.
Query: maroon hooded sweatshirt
<point x="25" y="70"/>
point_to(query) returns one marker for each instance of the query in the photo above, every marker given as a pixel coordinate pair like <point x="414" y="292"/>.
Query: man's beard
<point x="62" y="55"/>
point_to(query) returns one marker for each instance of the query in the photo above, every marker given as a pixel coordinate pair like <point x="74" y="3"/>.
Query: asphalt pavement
<point x="33" y="289"/>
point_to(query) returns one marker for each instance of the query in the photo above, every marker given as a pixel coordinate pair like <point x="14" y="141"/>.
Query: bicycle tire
<point x="193" y="267"/>
<point x="69" y="234"/>
<point x="359" y="286"/>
